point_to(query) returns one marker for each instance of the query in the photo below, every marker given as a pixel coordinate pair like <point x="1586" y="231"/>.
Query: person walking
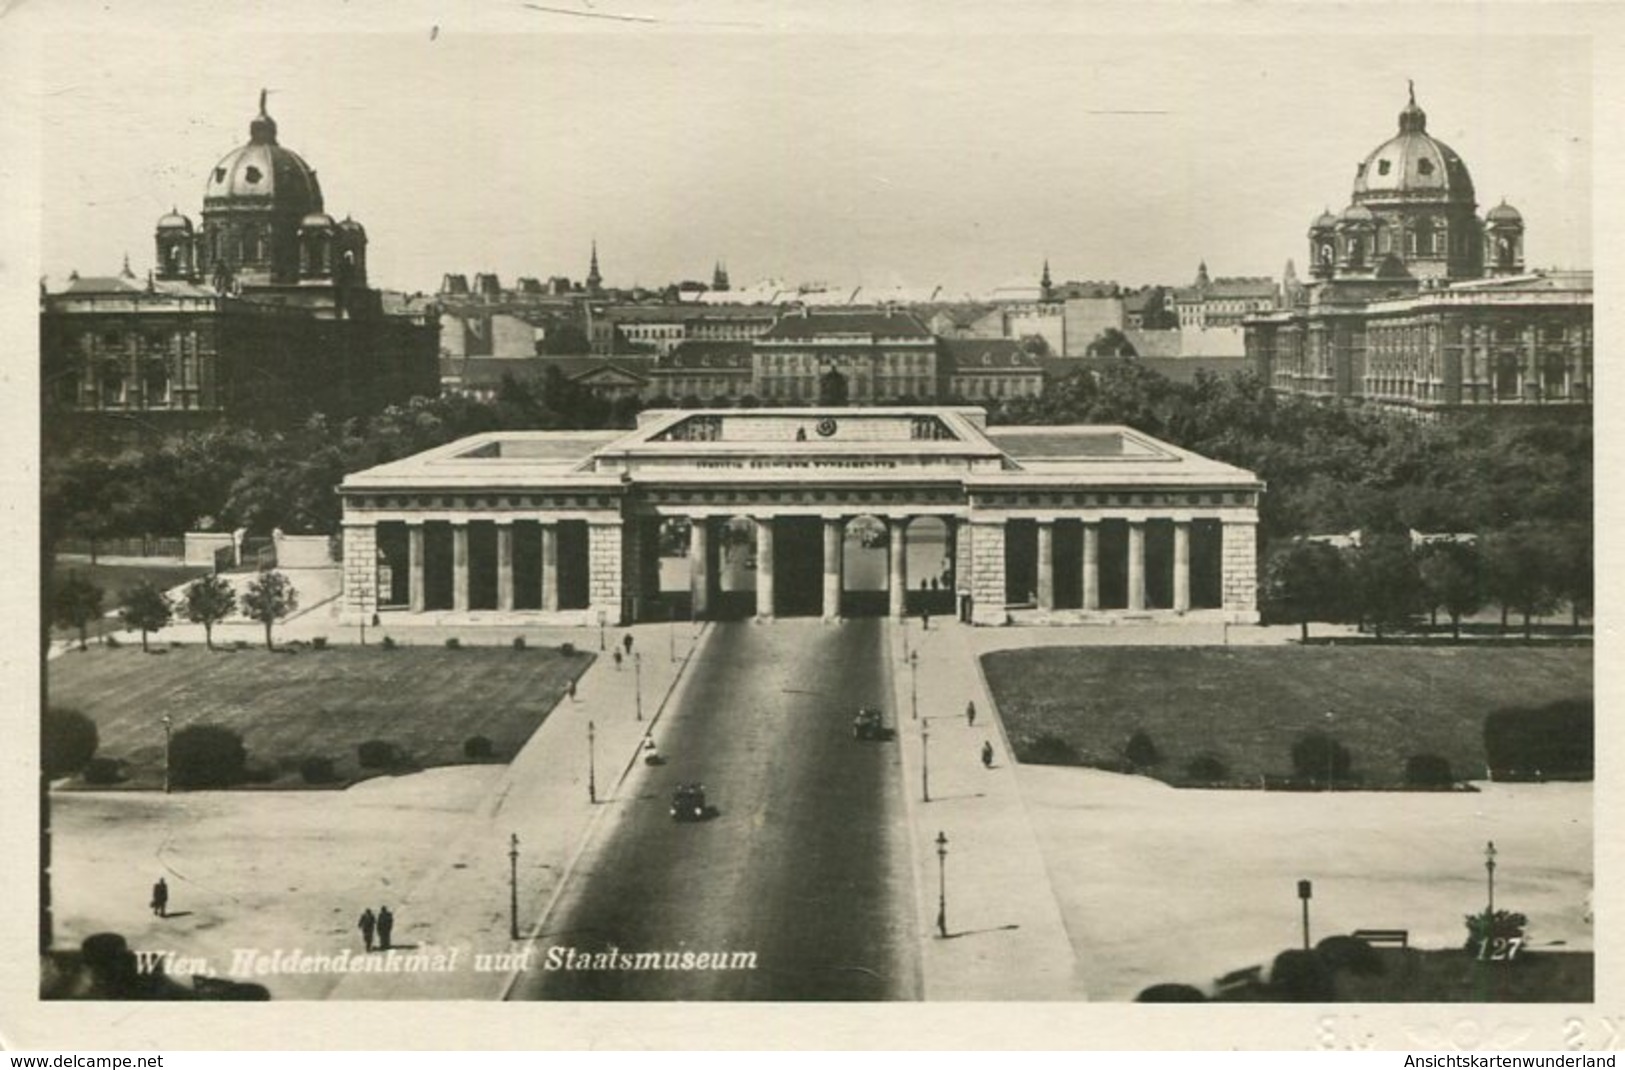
<point x="617" y="661"/>
<point x="626" y="641"/>
<point x="160" y="898"/>
<point x="366" y="925"/>
<point x="386" y="926"/>
<point x="987" y="754"/>
<point x="925" y="620"/>
<point x="572" y="690"/>
<point x="970" y="713"/>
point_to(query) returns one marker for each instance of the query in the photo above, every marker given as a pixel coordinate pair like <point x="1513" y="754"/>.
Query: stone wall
<point x="604" y="562"/>
<point x="987" y="573"/>
<point x="1239" y="571"/>
<point x="360" y="572"/>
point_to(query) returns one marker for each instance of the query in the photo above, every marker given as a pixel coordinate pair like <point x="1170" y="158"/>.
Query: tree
<point x="268" y="599"/>
<point x="1518" y="571"/>
<point x="1305" y="581"/>
<point x="75" y="602"/>
<point x="1572" y="569"/>
<point x="1111" y="342"/>
<point x="1452" y="580"/>
<point x="1386" y="581"/>
<point x="68" y="740"/>
<point x="145" y="607"/>
<point x="209" y="600"/>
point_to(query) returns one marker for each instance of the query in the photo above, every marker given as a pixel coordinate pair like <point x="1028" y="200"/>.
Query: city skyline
<point x="810" y="155"/>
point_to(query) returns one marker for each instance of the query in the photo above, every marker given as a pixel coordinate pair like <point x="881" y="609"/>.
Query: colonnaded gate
<point x="819" y="512"/>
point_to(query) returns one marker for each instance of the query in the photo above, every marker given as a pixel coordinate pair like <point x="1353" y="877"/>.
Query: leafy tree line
<point x="75" y="602"/>
<point x="1328" y="468"/>
<point x="1529" y="569"/>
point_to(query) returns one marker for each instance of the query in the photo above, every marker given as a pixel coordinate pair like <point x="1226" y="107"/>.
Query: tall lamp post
<point x="671" y="632"/>
<point x="592" y="777"/>
<point x="168" y="732"/>
<point x="1331" y="750"/>
<point x="925" y="761"/>
<point x="1489" y="870"/>
<point x="913" y="683"/>
<point x="637" y="685"/>
<point x="602" y="617"/>
<point x="942" y="884"/>
<point x="513" y="886"/>
<point x="1305" y="890"/>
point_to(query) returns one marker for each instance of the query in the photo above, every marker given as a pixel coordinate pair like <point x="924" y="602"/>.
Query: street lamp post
<point x="168" y="732"/>
<point x="637" y="686"/>
<point x="913" y="683"/>
<point x="925" y="761"/>
<point x="942" y="884"/>
<point x="513" y="886"/>
<point x="671" y="632"/>
<point x="592" y="777"/>
<point x="1331" y="750"/>
<point x="1305" y="890"/>
<point x="1489" y="870"/>
<point x="601" y="621"/>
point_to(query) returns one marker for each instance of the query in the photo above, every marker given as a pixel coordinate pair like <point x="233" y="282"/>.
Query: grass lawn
<point x="1080" y="705"/>
<point x="294" y="704"/>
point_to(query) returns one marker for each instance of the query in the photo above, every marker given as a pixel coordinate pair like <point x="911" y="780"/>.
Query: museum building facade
<point x="740" y="512"/>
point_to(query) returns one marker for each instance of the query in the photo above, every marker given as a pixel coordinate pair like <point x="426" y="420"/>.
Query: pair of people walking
<point x="382" y="924"/>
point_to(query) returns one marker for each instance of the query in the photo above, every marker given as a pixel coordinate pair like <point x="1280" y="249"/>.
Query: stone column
<point x="764" y="567"/>
<point x="1182" y="566"/>
<point x="360" y="570"/>
<point x="550" y="567"/>
<point x="1136" y="564"/>
<point x="505" y="565"/>
<point x="417" y="599"/>
<point x="1091" y="565"/>
<point x="1046" y="564"/>
<point x="459" y="566"/>
<point x="606" y="559"/>
<point x="897" y="588"/>
<point x="834" y="535"/>
<point x="699" y="561"/>
<point x="986" y="577"/>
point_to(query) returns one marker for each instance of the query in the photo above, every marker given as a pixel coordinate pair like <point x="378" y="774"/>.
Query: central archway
<point x="864" y="566"/>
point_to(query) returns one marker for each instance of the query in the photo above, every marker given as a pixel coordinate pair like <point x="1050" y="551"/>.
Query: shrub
<point x="1141" y="751"/>
<point x="1048" y="749"/>
<point x="519" y="642"/>
<point x="477" y="747"/>
<point x="319" y="642"/>
<point x="1171" y="993"/>
<point x="1505" y="925"/>
<point x="104" y="771"/>
<point x="1428" y="771"/>
<point x="111" y="640"/>
<point x="1301" y="977"/>
<point x="388" y="644"/>
<point x="1555" y="740"/>
<point x="1349" y="953"/>
<point x="567" y="649"/>
<point x="240" y="644"/>
<point x="454" y="643"/>
<point x="1316" y="754"/>
<point x="68" y="739"/>
<point x="378" y="754"/>
<point x="206" y="756"/>
<point x="259" y="774"/>
<point x="1206" y="769"/>
<point x="317" y="771"/>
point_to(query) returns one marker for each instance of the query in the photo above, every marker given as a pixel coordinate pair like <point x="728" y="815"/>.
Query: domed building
<point x="1416" y="302"/>
<point x="261" y="313"/>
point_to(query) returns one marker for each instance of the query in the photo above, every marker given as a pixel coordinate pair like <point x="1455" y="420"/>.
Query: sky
<point x="938" y="146"/>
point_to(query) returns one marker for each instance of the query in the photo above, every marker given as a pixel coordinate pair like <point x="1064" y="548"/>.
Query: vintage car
<point x="688" y="803"/>
<point x="870" y="724"/>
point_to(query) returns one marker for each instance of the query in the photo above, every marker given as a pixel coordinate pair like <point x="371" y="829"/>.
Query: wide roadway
<point x="805" y="863"/>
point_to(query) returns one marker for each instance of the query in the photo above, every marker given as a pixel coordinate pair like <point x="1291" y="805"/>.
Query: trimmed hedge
<point x="206" y="756"/>
<point x="1555" y="741"/>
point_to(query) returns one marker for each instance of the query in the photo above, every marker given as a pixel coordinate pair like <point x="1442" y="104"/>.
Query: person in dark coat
<point x="366" y="925"/>
<point x="626" y="641"/>
<point x="160" y="898"/>
<point x="987" y="754"/>
<point x="970" y="713"/>
<point x="386" y="926"/>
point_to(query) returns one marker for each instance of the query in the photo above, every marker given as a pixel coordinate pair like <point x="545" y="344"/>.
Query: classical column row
<point x="417" y="597"/>
<point x="1136" y="565"/>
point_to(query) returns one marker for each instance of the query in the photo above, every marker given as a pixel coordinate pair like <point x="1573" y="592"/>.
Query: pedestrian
<point x="366" y="925"/>
<point x="160" y="898"/>
<point x="386" y="926"/>
<point x="987" y="754"/>
<point x="627" y="642"/>
<point x="572" y="689"/>
<point x="617" y="661"/>
<point x="970" y="713"/>
<point x="925" y="620"/>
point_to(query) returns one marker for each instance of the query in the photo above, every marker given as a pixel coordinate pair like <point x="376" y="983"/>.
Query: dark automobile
<point x="870" y="724"/>
<point x="688" y="803"/>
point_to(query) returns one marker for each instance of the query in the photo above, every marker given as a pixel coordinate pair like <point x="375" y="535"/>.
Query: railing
<point x="142" y="546"/>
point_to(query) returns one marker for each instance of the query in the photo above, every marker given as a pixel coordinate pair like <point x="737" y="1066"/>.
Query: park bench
<point x="1384" y="937"/>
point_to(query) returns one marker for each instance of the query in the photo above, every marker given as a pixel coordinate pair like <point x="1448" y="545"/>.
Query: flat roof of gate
<point x="927" y="443"/>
